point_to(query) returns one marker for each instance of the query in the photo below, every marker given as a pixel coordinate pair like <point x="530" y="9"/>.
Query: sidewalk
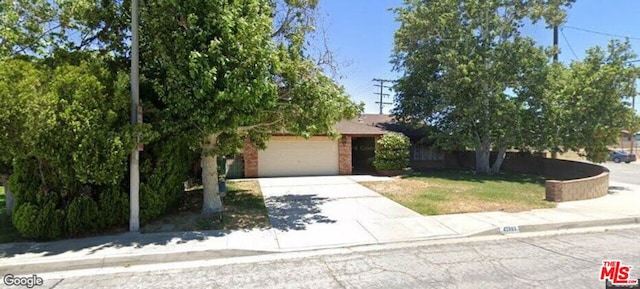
<point x="621" y="206"/>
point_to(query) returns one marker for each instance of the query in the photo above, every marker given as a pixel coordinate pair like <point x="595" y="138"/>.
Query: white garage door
<point x="288" y="156"/>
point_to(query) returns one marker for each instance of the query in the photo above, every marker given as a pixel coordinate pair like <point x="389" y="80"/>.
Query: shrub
<point x="392" y="152"/>
<point x="69" y="187"/>
<point x="82" y="216"/>
<point x="40" y="223"/>
<point x="53" y="221"/>
<point x="165" y="171"/>
<point x="152" y="203"/>
<point x="26" y="220"/>
<point x="114" y="208"/>
<point x="24" y="183"/>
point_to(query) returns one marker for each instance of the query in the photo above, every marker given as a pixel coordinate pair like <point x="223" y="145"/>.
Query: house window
<point x="423" y="152"/>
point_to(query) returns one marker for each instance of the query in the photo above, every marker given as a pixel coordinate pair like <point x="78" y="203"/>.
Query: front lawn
<point x="244" y="208"/>
<point x="452" y="192"/>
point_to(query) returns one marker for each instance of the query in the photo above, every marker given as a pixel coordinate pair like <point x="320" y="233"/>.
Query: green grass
<point x="8" y="232"/>
<point x="451" y="192"/>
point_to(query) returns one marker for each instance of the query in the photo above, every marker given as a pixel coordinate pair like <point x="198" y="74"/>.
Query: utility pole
<point x="134" y="162"/>
<point x="554" y="151"/>
<point x="555" y="44"/>
<point x="381" y="93"/>
<point x="633" y="133"/>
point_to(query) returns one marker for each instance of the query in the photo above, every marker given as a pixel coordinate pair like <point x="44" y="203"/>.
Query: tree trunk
<point x="499" y="160"/>
<point x="483" y="154"/>
<point x="7" y="194"/>
<point x="211" y="203"/>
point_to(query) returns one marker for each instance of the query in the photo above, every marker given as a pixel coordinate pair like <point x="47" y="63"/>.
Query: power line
<point x="382" y="94"/>
<point x="569" y="44"/>
<point x="601" y="33"/>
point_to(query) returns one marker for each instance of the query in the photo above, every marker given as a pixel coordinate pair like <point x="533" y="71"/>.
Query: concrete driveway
<point x="336" y="210"/>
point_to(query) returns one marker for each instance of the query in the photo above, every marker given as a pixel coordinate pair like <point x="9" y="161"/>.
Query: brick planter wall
<point x="573" y="180"/>
<point x="580" y="189"/>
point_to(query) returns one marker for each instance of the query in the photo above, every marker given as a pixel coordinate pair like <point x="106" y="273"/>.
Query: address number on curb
<point x="509" y="229"/>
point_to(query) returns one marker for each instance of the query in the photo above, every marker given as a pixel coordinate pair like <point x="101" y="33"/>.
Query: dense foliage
<point x="470" y="73"/>
<point x="222" y="73"/>
<point x="587" y="100"/>
<point x="212" y="73"/>
<point x="67" y="141"/>
<point x="392" y="152"/>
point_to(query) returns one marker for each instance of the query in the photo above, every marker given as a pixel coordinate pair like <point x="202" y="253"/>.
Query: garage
<point x="294" y="156"/>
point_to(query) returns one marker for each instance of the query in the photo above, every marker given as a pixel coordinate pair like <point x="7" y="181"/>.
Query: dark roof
<point x="377" y="124"/>
<point x="365" y="124"/>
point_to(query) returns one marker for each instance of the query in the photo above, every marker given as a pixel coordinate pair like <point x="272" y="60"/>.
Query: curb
<point x="561" y="226"/>
<point x="582" y="224"/>
<point x="48" y="266"/>
<point x="123" y="261"/>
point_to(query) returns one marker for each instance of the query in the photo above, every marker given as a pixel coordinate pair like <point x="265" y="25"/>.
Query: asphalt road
<point x="553" y="261"/>
<point x="624" y="173"/>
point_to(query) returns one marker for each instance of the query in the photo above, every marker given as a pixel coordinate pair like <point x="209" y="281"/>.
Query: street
<point x="547" y="261"/>
<point x="624" y="173"/>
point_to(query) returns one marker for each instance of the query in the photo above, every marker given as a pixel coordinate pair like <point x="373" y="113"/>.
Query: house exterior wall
<point x="344" y="155"/>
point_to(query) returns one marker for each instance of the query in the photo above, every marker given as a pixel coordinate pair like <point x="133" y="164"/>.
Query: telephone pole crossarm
<point x="381" y="94"/>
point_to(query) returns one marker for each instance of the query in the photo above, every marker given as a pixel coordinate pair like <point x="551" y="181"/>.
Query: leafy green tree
<point x="221" y="75"/>
<point x="214" y="72"/>
<point x="633" y="126"/>
<point x="588" y="100"/>
<point x="468" y="71"/>
<point x="44" y="27"/>
<point x="23" y="26"/>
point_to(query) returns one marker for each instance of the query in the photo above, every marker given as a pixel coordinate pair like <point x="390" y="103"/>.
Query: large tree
<point x="586" y="102"/>
<point x="468" y="71"/>
<point x="41" y="27"/>
<point x="224" y="71"/>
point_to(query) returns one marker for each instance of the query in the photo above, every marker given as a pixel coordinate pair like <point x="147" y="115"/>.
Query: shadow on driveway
<point x="296" y="212"/>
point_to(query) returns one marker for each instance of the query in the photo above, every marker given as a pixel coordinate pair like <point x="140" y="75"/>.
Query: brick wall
<point x="250" y="160"/>
<point x="580" y="189"/>
<point x="344" y="155"/>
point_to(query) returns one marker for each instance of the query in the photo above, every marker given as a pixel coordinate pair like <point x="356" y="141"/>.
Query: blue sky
<point x="361" y="34"/>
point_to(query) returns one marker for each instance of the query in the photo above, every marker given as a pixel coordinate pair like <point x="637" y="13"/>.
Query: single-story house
<point x="353" y="153"/>
<point x="628" y="141"/>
